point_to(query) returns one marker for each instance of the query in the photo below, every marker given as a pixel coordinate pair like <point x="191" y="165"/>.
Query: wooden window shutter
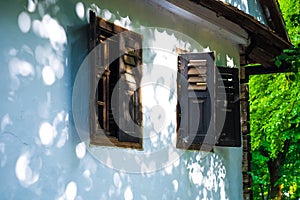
<point x="194" y="106"/>
<point x="130" y="63"/>
<point x="230" y="104"/>
<point x="208" y="103"/>
<point x="116" y="72"/>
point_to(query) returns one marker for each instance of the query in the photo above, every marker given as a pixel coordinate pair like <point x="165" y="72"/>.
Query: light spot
<point x="169" y="169"/>
<point x="117" y="181"/>
<point x="125" y="21"/>
<point x="13" y="52"/>
<point x="80" y="150"/>
<point x="154" y="138"/>
<point x="71" y="191"/>
<point x="207" y="49"/>
<point x="63" y="138"/>
<point x="128" y="194"/>
<point x="107" y="14"/>
<point x="230" y="62"/>
<point x="175" y="185"/>
<point x="24" y="22"/>
<point x="80" y="10"/>
<point x="87" y="175"/>
<point x="31" y="6"/>
<point x="20" y="67"/>
<point x="54" y="31"/>
<point x="3" y="156"/>
<point x="48" y="75"/>
<point x="24" y="172"/>
<point x="46" y="133"/>
<point x="51" y="29"/>
<point x="57" y="66"/>
<point x="5" y="121"/>
<point x="195" y="173"/>
<point x="58" y="118"/>
<point x="47" y="57"/>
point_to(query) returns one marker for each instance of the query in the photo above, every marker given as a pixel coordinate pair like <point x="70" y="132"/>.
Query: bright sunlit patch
<point x="106" y="14"/>
<point x="48" y="75"/>
<point x="13" y="52"/>
<point x="57" y="66"/>
<point x="169" y="169"/>
<point x="230" y="62"/>
<point x="175" y="185"/>
<point x="196" y="173"/>
<point x="51" y="29"/>
<point x="71" y="191"/>
<point x="46" y="134"/>
<point x="154" y="138"/>
<point x="54" y="31"/>
<point x="24" y="22"/>
<point x="31" y="6"/>
<point x="20" y="67"/>
<point x="117" y="180"/>
<point x="128" y="194"/>
<point x="63" y="138"/>
<point x="3" y="156"/>
<point x="46" y="56"/>
<point x="5" y="121"/>
<point x="126" y="21"/>
<point x="24" y="172"/>
<point x="80" y="10"/>
<point x="80" y="150"/>
<point x="87" y="175"/>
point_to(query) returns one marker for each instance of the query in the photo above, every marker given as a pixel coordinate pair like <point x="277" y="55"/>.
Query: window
<point x="116" y="110"/>
<point x="208" y="103"/>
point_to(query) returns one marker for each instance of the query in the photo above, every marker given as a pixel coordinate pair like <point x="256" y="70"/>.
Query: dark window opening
<point x="208" y="103"/>
<point x="116" y="117"/>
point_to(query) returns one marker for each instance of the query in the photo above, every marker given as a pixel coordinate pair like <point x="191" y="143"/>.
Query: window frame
<point x="211" y="98"/>
<point x="100" y="32"/>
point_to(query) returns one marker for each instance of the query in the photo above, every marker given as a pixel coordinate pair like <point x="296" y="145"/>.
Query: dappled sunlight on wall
<point x="207" y="171"/>
<point x="27" y="168"/>
<point x="41" y="155"/>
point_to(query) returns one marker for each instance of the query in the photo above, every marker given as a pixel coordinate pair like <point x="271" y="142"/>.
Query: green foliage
<point x="291" y="13"/>
<point x="260" y="175"/>
<point x="290" y="58"/>
<point x="275" y="116"/>
<point x="274" y="108"/>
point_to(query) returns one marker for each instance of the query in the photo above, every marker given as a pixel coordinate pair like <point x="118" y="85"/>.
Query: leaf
<point x="278" y="63"/>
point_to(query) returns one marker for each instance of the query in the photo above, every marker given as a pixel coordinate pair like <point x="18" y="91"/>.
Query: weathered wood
<point x="274" y="20"/>
<point x="107" y="115"/>
<point x="267" y="44"/>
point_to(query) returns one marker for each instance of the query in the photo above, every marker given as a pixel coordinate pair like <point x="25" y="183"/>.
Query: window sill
<point x="103" y="140"/>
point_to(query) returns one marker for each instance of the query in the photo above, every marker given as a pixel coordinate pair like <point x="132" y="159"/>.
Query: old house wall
<point x="43" y="108"/>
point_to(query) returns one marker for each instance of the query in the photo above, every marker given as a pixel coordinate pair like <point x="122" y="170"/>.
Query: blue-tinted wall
<point x="43" y="48"/>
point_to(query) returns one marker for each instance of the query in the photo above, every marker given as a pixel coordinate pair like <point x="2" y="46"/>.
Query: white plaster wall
<point x="41" y="155"/>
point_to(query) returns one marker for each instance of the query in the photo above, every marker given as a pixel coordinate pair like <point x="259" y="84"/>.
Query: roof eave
<point x="265" y="44"/>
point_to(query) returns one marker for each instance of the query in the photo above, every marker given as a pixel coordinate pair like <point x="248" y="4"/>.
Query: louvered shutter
<point x="129" y="111"/>
<point x="208" y="110"/>
<point x="195" y="90"/>
<point x="229" y="104"/>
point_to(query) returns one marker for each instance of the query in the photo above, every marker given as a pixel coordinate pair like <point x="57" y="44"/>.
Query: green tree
<point x="275" y="120"/>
